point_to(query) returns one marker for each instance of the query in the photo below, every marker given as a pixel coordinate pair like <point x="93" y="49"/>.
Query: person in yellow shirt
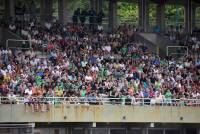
<point x="7" y="77"/>
<point x="58" y="92"/>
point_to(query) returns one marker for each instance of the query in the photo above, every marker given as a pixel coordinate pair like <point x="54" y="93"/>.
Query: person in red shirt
<point x="88" y="89"/>
<point x="50" y="46"/>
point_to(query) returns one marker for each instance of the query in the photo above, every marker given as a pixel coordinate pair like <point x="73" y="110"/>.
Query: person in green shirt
<point x="83" y="92"/>
<point x="163" y="62"/>
<point x="38" y="80"/>
<point x="61" y="86"/>
<point x="157" y="85"/>
<point x="135" y="56"/>
<point x="168" y="97"/>
<point x="168" y="94"/>
<point x="124" y="50"/>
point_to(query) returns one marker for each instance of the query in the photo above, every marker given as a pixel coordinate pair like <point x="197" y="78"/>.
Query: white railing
<point x="100" y="101"/>
<point x="20" y="47"/>
<point x="175" y="53"/>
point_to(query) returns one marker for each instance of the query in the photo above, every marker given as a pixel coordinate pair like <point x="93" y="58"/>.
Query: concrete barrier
<point x="101" y="113"/>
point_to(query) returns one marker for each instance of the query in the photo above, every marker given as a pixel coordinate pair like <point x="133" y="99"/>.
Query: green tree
<point x="127" y="12"/>
<point x="198" y="17"/>
<point x="74" y="4"/>
<point x="174" y="14"/>
<point x="152" y="14"/>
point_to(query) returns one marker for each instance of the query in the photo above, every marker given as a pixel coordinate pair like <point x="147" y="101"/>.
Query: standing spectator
<point x="92" y="17"/>
<point x="76" y="16"/>
<point x="82" y="17"/>
<point x="100" y="16"/>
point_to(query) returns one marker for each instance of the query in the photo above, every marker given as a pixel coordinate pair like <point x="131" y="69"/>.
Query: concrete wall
<point x="106" y="113"/>
<point x="156" y="43"/>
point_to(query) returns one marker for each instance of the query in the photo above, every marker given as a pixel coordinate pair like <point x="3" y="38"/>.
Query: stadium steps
<point x="5" y="34"/>
<point x="155" y="42"/>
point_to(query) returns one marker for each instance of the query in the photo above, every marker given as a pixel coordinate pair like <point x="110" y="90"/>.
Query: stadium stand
<point x="78" y="77"/>
<point x="79" y="62"/>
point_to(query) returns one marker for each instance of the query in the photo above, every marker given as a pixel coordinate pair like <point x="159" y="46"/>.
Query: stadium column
<point x="144" y="15"/>
<point x="194" y="7"/>
<point x="99" y="5"/>
<point x="96" y="5"/>
<point x="112" y="14"/>
<point x="144" y="131"/>
<point x="46" y="10"/>
<point x="10" y="8"/>
<point x="160" y="16"/>
<point x="189" y="16"/>
<point x="62" y="11"/>
<point x="93" y="4"/>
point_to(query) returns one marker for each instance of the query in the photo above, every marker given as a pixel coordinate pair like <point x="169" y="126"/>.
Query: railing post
<point x="142" y="101"/>
<point x="196" y="104"/>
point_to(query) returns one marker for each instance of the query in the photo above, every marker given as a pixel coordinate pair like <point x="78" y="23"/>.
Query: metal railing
<point x="100" y="101"/>
<point x="179" y="47"/>
<point x="21" y="45"/>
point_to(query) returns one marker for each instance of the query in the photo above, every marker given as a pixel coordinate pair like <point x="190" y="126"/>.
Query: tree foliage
<point x="127" y="12"/>
<point x="198" y="17"/>
<point x="174" y="14"/>
<point x="74" y="4"/>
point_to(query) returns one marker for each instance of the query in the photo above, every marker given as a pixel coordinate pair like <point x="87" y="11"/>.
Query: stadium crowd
<point x="176" y="34"/>
<point x="94" y="64"/>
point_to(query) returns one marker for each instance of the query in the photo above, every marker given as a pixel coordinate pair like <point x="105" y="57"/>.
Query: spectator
<point x="76" y="16"/>
<point x="82" y="17"/>
<point x="100" y="16"/>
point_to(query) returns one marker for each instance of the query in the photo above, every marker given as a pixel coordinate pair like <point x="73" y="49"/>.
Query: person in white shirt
<point x="159" y="98"/>
<point x="100" y="28"/>
<point x="95" y="69"/>
<point x="48" y="25"/>
<point x="88" y="77"/>
<point x="12" y="27"/>
<point x="12" y="97"/>
<point x="28" y="91"/>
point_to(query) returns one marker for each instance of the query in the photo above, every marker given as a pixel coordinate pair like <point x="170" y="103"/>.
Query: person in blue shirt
<point x="146" y="96"/>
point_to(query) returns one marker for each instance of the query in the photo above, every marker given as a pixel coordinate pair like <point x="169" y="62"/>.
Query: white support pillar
<point x="144" y="130"/>
<point x="112" y="14"/>
<point x="62" y="11"/>
<point x="182" y="131"/>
